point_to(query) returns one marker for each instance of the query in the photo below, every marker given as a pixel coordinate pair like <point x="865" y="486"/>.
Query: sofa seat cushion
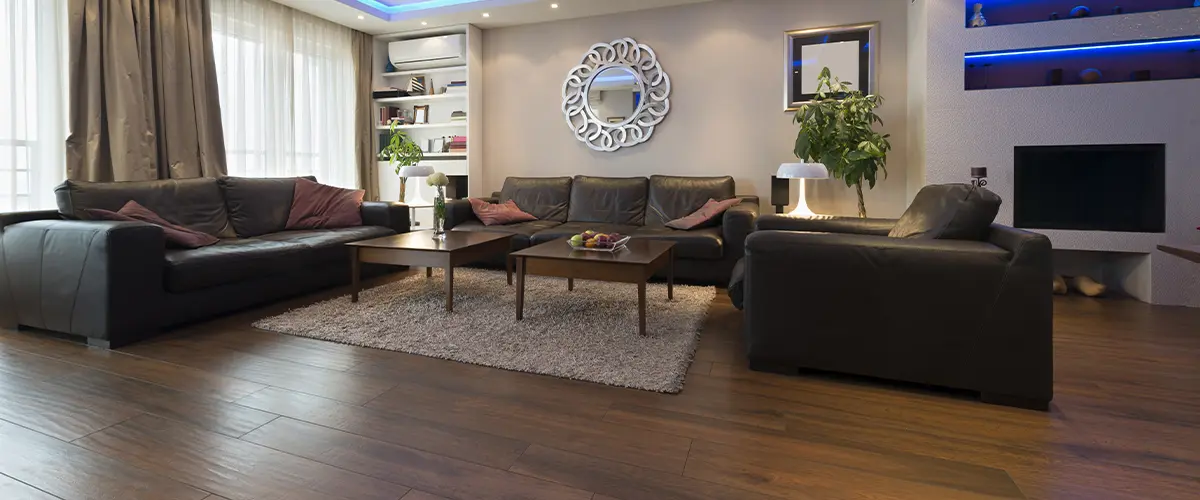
<point x="521" y="231"/>
<point x="570" y="229"/>
<point x="328" y="244"/>
<point x="699" y="244"/>
<point x="230" y="261"/>
<point x="543" y="197"/>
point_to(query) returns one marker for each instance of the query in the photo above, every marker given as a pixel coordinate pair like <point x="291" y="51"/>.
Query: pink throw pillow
<point x="175" y="235"/>
<point x="317" y="206"/>
<point x="492" y="214"/>
<point x="708" y="212"/>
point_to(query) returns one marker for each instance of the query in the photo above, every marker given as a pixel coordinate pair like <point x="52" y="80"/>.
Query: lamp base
<point x="802" y="209"/>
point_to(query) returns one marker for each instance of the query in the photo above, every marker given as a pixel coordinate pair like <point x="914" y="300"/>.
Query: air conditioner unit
<point x="436" y="51"/>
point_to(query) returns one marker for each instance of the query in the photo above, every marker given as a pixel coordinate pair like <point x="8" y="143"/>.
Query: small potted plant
<point x="439" y="181"/>
<point x="402" y="152"/>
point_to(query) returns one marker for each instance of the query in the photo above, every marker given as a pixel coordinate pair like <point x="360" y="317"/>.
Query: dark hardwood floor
<point x="223" y="411"/>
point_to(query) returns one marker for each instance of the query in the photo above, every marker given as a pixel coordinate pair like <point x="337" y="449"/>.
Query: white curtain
<point x="32" y="102"/>
<point x="286" y="81"/>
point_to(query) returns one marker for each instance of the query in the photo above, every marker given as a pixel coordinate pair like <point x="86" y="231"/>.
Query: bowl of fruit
<point x="598" y="242"/>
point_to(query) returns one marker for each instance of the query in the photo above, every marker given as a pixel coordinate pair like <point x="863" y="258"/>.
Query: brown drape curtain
<point x="143" y="91"/>
<point x="364" y="115"/>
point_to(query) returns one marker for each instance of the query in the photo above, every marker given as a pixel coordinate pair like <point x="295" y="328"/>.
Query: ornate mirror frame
<point x="652" y="107"/>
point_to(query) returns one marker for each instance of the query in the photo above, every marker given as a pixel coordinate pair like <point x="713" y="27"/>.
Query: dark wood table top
<point x="637" y="251"/>
<point x="423" y="240"/>
<point x="1189" y="252"/>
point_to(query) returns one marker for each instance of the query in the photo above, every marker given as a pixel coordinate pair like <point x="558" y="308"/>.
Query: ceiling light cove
<point x="400" y="10"/>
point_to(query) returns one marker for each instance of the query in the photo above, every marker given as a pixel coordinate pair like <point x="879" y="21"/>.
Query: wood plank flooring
<point x="222" y="411"/>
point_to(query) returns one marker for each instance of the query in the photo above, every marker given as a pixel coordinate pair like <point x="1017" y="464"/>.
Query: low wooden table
<point x="419" y="248"/>
<point x="636" y="263"/>
<point x="1189" y="252"/>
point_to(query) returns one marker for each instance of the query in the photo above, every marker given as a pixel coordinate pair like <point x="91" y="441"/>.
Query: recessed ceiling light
<point x="553" y="6"/>
<point x="361" y="17"/>
<point x="423" y="23"/>
<point x="485" y="14"/>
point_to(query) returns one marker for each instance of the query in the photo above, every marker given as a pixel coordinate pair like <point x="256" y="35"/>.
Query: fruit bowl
<point x="598" y="242"/>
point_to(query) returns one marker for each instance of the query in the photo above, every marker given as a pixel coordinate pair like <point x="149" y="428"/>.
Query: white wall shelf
<point x="427" y="71"/>
<point x="418" y="98"/>
<point x="461" y="124"/>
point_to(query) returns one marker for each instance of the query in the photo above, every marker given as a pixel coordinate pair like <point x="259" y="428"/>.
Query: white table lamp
<point x="417" y="172"/>
<point x="802" y="171"/>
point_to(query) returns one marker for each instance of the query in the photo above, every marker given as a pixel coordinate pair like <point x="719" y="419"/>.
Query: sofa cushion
<point x="175" y="235"/>
<point x="707" y="216"/>
<point x="949" y="212"/>
<point x="573" y="228"/>
<point x="521" y="231"/>
<point x="258" y="205"/>
<point x="319" y="206"/>
<point x="230" y="261"/>
<point x="327" y="245"/>
<point x="615" y="200"/>
<point x="191" y="203"/>
<point x="673" y="197"/>
<point x="498" y="214"/>
<point x="700" y="244"/>
<point x="544" y="197"/>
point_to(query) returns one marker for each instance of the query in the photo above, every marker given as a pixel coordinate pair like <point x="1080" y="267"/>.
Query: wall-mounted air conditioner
<point x="436" y="51"/>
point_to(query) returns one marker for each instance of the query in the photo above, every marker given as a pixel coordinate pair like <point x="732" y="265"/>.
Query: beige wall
<point x="726" y="61"/>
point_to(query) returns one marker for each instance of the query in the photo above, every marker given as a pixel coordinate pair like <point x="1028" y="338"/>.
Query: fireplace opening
<point x="1091" y="188"/>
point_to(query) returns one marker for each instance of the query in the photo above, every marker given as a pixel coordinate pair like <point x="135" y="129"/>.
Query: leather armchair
<point x="837" y="294"/>
<point x="394" y="216"/>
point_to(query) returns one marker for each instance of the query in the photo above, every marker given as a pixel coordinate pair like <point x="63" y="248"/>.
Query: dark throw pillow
<point x="706" y="214"/>
<point x="175" y="234"/>
<point x="317" y="206"/>
<point x="949" y="212"/>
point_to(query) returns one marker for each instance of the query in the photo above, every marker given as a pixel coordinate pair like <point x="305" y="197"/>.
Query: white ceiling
<point x="501" y="13"/>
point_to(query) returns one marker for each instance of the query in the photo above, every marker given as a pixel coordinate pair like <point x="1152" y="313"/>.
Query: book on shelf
<point x="458" y="116"/>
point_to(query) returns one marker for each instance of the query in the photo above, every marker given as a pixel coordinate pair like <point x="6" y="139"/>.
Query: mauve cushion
<point x="491" y="214"/>
<point x="709" y="212"/>
<point x="317" y="206"/>
<point x="175" y="235"/>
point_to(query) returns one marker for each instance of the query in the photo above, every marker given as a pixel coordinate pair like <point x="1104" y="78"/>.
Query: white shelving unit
<point x="441" y="106"/>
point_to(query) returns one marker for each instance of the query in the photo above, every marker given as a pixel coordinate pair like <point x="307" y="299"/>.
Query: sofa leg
<point x="1015" y="401"/>
<point x="99" y="343"/>
<point x="759" y="365"/>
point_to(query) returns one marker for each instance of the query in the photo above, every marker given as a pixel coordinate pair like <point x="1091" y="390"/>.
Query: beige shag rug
<point x="587" y="334"/>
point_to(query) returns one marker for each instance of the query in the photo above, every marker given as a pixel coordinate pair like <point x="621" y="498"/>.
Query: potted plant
<point x="836" y="130"/>
<point x="402" y="152"/>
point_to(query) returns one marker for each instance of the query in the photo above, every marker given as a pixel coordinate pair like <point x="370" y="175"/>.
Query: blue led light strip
<point x="413" y="7"/>
<point x="1075" y="49"/>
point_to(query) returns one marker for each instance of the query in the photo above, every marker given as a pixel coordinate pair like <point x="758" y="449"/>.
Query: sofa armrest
<point x="736" y="224"/>
<point x="459" y="211"/>
<point x="394" y="216"/>
<point x="10" y="218"/>
<point x="826" y="224"/>
<point x="99" y="279"/>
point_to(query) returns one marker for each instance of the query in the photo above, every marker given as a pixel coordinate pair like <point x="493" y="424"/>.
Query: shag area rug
<point x="589" y="334"/>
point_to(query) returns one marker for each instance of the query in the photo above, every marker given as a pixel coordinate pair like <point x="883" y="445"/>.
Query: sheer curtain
<point x="287" y="92"/>
<point x="32" y="102"/>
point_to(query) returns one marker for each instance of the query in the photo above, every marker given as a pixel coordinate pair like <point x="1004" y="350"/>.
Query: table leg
<point x="642" y="308"/>
<point x="508" y="267"/>
<point x="429" y="272"/>
<point x="449" y="288"/>
<point x="570" y="284"/>
<point x="671" y="274"/>
<point x="354" y="275"/>
<point x="520" y="288"/>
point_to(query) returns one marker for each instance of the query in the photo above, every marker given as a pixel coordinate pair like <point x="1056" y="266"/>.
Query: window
<point x="287" y="92"/>
<point x="32" y="97"/>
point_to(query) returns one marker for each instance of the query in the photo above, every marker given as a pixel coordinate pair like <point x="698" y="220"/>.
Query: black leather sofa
<point x="117" y="282"/>
<point x="635" y="206"/>
<point x="838" y="294"/>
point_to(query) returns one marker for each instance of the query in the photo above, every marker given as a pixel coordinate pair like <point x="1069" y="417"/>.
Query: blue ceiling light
<point x="1094" y="49"/>
<point x="412" y="6"/>
<point x="400" y="10"/>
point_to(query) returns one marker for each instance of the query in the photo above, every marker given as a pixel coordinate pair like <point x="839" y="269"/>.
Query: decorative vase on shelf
<point x="977" y="20"/>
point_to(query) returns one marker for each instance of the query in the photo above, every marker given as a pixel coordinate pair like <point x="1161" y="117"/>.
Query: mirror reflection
<point x="614" y="95"/>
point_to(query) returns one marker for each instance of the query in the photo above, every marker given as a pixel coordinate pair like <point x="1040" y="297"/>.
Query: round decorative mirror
<point x="616" y="96"/>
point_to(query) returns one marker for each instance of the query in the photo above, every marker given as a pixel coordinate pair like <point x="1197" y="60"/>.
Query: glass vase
<point x="439" y="214"/>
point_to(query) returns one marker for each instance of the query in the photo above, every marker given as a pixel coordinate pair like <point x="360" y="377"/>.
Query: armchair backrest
<point x="193" y="203"/>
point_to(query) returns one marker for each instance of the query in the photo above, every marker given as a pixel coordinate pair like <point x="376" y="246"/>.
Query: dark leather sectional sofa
<point x="635" y="206"/>
<point x="117" y="282"/>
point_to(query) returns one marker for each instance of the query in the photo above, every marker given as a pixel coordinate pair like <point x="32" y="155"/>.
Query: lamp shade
<point x="802" y="171"/>
<point x="416" y="171"/>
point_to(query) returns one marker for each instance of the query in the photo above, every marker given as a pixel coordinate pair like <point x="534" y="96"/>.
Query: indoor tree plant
<point x="401" y="151"/>
<point x="836" y="130"/>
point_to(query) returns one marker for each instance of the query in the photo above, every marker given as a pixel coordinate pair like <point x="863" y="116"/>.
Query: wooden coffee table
<point x="636" y="263"/>
<point x="418" y="248"/>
